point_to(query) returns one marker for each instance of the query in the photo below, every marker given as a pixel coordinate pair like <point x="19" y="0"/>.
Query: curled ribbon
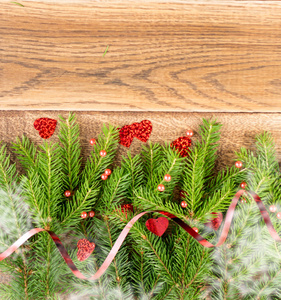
<point x="125" y="231"/>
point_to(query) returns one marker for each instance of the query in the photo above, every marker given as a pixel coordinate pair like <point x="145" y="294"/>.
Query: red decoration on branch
<point x="182" y="144"/>
<point x="183" y="194"/>
<point x="195" y="229"/>
<point x="84" y="215"/>
<point x="140" y="130"/>
<point x="189" y="133"/>
<point x="157" y="226"/>
<point x="92" y="141"/>
<point x="67" y="193"/>
<point x="85" y="249"/>
<point x="103" y="153"/>
<point x="125" y="231"/>
<point x="127" y="207"/>
<point x="161" y="187"/>
<point x="216" y="222"/>
<point x="103" y="176"/>
<point x="45" y="126"/>
<point x="238" y="164"/>
<point x="107" y="172"/>
<point x="91" y="214"/>
<point x="167" y="177"/>
<point x="183" y="204"/>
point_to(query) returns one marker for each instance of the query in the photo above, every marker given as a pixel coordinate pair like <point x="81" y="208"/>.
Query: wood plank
<point x="239" y="129"/>
<point x="220" y="56"/>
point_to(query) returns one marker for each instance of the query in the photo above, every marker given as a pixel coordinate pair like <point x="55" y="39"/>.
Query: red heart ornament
<point x="157" y="226"/>
<point x="140" y="130"/>
<point x="45" y="126"/>
<point x="216" y="222"/>
<point x="85" y="248"/>
<point x="126" y="136"/>
<point x="182" y="144"/>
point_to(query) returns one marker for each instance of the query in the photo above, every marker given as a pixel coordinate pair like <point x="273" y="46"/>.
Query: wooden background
<point x="171" y="62"/>
<point x="185" y="56"/>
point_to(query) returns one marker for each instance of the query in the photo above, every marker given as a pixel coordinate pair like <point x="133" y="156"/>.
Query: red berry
<point x="67" y="193"/>
<point x="243" y="200"/>
<point x="183" y="204"/>
<point x="189" y="133"/>
<point x="92" y="141"/>
<point x="84" y="215"/>
<point x="103" y="153"/>
<point x="91" y="214"/>
<point x="107" y="172"/>
<point x="103" y="176"/>
<point x="167" y="177"/>
<point x="161" y="187"/>
<point x="272" y="208"/>
<point x="243" y="184"/>
<point x="195" y="229"/>
<point x="279" y="215"/>
<point x="238" y="164"/>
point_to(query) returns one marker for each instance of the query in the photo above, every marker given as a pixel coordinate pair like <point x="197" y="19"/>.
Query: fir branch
<point x="49" y="170"/>
<point x="134" y="167"/>
<point x="199" y="164"/>
<point x="266" y="152"/>
<point x="26" y="152"/>
<point x="13" y="205"/>
<point x="96" y="164"/>
<point x="111" y="245"/>
<point x="32" y="193"/>
<point x="70" y="150"/>
<point x="152" y="160"/>
<point x="86" y="195"/>
<point x="115" y="189"/>
<point x="148" y="200"/>
<point x="71" y="212"/>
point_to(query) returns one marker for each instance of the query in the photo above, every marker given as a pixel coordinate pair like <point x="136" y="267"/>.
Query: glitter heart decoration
<point x="85" y="249"/>
<point x="45" y="126"/>
<point x="182" y="145"/>
<point x="140" y="131"/>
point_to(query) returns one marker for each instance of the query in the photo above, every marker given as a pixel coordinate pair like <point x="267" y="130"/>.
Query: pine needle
<point x="17" y="3"/>
<point x="105" y="51"/>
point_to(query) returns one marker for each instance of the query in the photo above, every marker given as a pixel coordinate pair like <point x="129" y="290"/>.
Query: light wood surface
<point x="217" y="56"/>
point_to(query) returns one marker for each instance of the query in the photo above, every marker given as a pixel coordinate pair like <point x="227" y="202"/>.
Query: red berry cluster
<point x="106" y="173"/>
<point x="273" y="209"/>
<point x="161" y="187"/>
<point x="84" y="215"/>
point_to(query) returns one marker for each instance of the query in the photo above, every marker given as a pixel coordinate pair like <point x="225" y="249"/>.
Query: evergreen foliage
<point x="173" y="266"/>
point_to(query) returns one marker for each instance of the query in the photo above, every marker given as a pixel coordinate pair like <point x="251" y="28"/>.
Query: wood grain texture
<point x="217" y="56"/>
<point x="239" y="129"/>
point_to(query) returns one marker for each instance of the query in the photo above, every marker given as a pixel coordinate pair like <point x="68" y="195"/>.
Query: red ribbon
<point x="125" y="231"/>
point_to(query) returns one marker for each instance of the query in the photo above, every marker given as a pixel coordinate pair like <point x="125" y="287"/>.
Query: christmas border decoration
<point x="125" y="231"/>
